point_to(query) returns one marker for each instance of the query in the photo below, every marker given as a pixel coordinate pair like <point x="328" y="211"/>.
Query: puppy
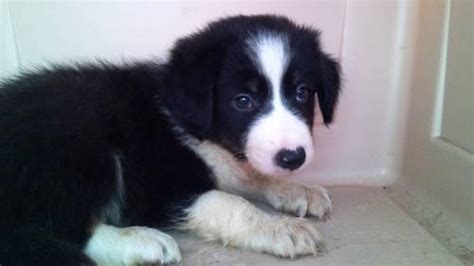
<point x="95" y="157"/>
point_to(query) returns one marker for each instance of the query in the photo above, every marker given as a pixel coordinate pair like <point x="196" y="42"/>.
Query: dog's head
<point x="249" y="84"/>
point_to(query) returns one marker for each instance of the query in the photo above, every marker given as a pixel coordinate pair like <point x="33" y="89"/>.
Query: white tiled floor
<point x="366" y="228"/>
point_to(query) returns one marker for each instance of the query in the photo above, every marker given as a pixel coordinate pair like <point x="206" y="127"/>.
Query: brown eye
<point x="302" y="93"/>
<point x="243" y="103"/>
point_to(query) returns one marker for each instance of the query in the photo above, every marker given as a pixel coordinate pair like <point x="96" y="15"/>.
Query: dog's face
<point x="265" y="102"/>
<point x="249" y="84"/>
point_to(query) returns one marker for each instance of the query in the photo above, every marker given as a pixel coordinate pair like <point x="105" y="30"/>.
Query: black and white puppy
<point x="94" y="158"/>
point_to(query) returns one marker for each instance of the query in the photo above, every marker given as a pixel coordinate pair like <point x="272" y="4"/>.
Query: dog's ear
<point x="329" y="86"/>
<point x="189" y="83"/>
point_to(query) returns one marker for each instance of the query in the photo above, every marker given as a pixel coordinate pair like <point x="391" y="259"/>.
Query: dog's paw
<point x="131" y="246"/>
<point x="292" y="237"/>
<point x="319" y="203"/>
<point x="143" y="245"/>
<point x="300" y="200"/>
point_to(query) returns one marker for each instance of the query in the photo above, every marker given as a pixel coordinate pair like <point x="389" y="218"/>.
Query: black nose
<point x="290" y="159"/>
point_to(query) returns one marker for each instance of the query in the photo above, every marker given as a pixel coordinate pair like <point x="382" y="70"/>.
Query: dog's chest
<point x="227" y="171"/>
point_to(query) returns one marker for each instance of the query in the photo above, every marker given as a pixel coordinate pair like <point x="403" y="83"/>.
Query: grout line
<point x="15" y="35"/>
<point x="437" y="119"/>
<point x="343" y="31"/>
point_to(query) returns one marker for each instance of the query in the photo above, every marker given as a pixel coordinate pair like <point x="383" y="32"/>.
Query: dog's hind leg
<point x="131" y="245"/>
<point x="51" y="201"/>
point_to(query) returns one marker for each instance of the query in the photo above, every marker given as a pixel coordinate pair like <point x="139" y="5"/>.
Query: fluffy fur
<point x="94" y="156"/>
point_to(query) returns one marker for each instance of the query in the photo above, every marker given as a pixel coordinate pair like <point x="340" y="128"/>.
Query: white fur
<point x="228" y="172"/>
<point x="113" y="209"/>
<point x="298" y="199"/>
<point x="234" y="221"/>
<point x="279" y="129"/>
<point x="110" y="245"/>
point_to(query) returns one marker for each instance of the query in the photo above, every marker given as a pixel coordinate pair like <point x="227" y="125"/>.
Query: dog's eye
<point x="302" y="93"/>
<point x="243" y="103"/>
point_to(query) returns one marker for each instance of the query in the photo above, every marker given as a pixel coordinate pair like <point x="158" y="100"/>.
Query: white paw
<point x="131" y="245"/>
<point x="292" y="237"/>
<point x="147" y="245"/>
<point x="303" y="201"/>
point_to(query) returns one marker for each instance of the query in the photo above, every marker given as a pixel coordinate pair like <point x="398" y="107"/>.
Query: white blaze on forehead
<point x="271" y="55"/>
<point x="280" y="128"/>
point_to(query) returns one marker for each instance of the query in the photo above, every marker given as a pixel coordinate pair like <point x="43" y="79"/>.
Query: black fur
<point x="59" y="129"/>
<point x="62" y="128"/>
<point x="329" y="85"/>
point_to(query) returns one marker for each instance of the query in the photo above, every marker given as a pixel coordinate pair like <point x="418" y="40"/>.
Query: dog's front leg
<point x="289" y="197"/>
<point x="297" y="199"/>
<point x="231" y="219"/>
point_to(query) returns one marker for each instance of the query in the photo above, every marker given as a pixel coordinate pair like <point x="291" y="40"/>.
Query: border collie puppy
<point x="94" y="158"/>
